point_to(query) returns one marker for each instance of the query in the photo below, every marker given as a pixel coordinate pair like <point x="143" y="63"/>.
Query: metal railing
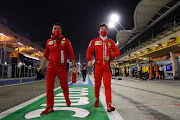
<point x="7" y="72"/>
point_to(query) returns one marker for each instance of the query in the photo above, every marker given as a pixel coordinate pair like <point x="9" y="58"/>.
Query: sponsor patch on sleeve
<point x="50" y="43"/>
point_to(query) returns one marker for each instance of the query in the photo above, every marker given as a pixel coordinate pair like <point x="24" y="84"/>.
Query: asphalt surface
<point x="137" y="99"/>
<point x="13" y="95"/>
<point x="133" y="98"/>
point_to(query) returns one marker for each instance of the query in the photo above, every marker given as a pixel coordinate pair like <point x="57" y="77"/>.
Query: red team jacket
<point x="56" y="51"/>
<point x="102" y="49"/>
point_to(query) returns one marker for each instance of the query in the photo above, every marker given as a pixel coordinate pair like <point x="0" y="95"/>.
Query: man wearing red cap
<point x="102" y="47"/>
<point x="57" y="48"/>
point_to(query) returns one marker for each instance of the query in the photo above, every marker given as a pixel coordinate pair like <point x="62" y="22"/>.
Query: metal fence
<point x="7" y="72"/>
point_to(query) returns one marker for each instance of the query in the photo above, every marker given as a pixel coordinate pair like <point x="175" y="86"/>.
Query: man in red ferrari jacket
<point x="102" y="47"/>
<point x="56" y="50"/>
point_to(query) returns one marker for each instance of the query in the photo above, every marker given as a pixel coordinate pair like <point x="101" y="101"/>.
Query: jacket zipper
<point x="103" y="53"/>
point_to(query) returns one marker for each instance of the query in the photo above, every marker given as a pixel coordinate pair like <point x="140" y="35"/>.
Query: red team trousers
<point x="103" y="71"/>
<point x="52" y="71"/>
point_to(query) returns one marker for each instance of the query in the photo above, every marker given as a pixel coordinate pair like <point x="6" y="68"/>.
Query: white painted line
<point x="86" y="81"/>
<point x="80" y="81"/>
<point x="112" y="115"/>
<point x="11" y="110"/>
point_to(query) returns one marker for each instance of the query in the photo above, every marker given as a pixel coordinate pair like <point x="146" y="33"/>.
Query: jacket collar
<point x="103" y="38"/>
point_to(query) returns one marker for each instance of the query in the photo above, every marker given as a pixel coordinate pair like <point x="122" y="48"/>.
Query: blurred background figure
<point x="20" y="67"/>
<point x="161" y="72"/>
<point x="156" y="69"/>
<point x="37" y="73"/>
<point x="84" y="71"/>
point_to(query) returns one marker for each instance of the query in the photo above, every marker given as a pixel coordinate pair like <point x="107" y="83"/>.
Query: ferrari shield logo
<point x="109" y="43"/>
<point x="62" y="42"/>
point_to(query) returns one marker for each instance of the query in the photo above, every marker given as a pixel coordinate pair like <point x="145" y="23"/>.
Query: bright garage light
<point x="111" y="24"/>
<point x="114" y="17"/>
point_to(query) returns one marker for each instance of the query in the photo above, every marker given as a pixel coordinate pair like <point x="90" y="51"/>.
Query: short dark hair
<point x="57" y="24"/>
<point x="103" y="25"/>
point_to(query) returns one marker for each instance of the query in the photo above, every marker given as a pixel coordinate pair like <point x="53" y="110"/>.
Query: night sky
<point x="80" y="19"/>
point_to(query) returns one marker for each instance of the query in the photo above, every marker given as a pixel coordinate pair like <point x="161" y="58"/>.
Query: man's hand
<point x="107" y="58"/>
<point x="40" y="69"/>
<point x="90" y="63"/>
<point x="42" y="64"/>
<point x="74" y="69"/>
